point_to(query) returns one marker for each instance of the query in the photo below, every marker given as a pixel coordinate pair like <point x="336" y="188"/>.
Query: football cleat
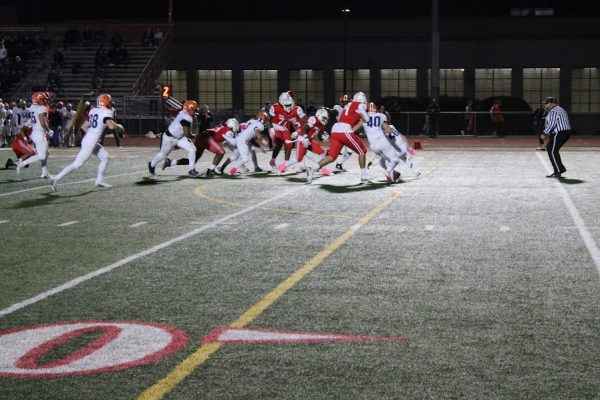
<point x="46" y="174"/>
<point x="210" y="172"/>
<point x="281" y="167"/>
<point x="151" y="169"/>
<point x="366" y="178"/>
<point x="339" y="166"/>
<point x="396" y="177"/>
<point x="309" y="174"/>
<point x="258" y="169"/>
<point x="192" y="172"/>
<point x="103" y="184"/>
<point x="53" y="183"/>
<point x="232" y="171"/>
<point x="9" y="163"/>
<point x="166" y="164"/>
<point x="326" y="171"/>
<point x="273" y="164"/>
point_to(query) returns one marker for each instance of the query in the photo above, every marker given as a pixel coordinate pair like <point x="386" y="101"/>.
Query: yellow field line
<point x="193" y="361"/>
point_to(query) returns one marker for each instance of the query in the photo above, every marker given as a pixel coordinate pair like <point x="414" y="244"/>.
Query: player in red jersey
<point x="285" y="114"/>
<point x="342" y="134"/>
<point x="21" y="146"/>
<point x="308" y="144"/>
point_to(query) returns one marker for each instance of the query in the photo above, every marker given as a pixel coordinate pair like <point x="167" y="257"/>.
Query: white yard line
<point x="584" y="232"/>
<point x="127" y="260"/>
<point x="3" y="221"/>
<point x="137" y="224"/>
<point x="70" y="183"/>
<point x="68" y="223"/>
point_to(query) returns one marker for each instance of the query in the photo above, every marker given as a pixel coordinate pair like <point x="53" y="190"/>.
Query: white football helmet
<point x="322" y="115"/>
<point x="286" y="101"/>
<point x="233" y="124"/>
<point x="360" y="96"/>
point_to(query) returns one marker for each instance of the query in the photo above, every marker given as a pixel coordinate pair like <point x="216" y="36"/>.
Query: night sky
<point x="36" y="11"/>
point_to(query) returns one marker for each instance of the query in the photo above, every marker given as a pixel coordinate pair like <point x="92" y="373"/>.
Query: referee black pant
<point x="556" y="142"/>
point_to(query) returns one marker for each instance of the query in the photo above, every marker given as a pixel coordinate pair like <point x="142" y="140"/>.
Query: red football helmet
<point x="344" y="98"/>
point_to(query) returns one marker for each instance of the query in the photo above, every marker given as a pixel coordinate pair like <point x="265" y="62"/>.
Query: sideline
<point x="203" y="353"/>
<point x="584" y="232"/>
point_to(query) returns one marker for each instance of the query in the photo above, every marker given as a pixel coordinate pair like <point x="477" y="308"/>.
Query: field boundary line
<point x="84" y="278"/>
<point x="584" y="232"/>
<point x="70" y="183"/>
<point x="203" y="353"/>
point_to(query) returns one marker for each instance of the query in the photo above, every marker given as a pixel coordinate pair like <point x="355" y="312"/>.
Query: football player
<point x="99" y="119"/>
<point x="284" y="114"/>
<point x="253" y="129"/>
<point x="38" y="114"/>
<point x="178" y="134"/>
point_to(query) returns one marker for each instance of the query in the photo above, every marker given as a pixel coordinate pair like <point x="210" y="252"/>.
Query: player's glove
<point x="294" y="135"/>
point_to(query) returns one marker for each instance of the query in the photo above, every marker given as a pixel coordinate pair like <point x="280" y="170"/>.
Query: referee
<point x="558" y="130"/>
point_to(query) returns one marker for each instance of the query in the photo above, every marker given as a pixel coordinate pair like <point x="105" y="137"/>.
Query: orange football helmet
<point x="262" y="116"/>
<point x="104" y="100"/>
<point x="372" y="107"/>
<point x="190" y="106"/>
<point x="344" y="98"/>
<point x="39" y="98"/>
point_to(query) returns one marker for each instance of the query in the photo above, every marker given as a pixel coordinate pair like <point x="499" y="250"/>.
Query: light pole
<point x="345" y="11"/>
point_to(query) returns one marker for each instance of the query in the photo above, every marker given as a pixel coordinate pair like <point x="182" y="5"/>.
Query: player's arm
<point x="187" y="128"/>
<point x="386" y="128"/>
<point x="43" y="118"/>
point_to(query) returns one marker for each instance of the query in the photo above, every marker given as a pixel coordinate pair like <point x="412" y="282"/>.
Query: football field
<point x="477" y="279"/>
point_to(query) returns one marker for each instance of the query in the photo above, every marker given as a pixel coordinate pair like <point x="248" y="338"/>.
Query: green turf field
<point x="486" y="270"/>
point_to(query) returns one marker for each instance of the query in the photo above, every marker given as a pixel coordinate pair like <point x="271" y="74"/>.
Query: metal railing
<point x="145" y="82"/>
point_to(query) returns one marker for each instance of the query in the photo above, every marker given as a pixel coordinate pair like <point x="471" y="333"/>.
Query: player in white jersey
<point x="99" y="119"/>
<point x="38" y="115"/>
<point x="378" y="129"/>
<point x="178" y="134"/>
<point x="254" y="128"/>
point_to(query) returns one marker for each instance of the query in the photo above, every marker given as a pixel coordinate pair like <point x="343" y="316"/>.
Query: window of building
<point x="451" y="82"/>
<point x="307" y="85"/>
<point x="260" y="87"/>
<point x="399" y="82"/>
<point x="357" y="80"/>
<point x="539" y="83"/>
<point x="492" y="82"/>
<point x="214" y="88"/>
<point x="585" y="90"/>
<point x="178" y="82"/>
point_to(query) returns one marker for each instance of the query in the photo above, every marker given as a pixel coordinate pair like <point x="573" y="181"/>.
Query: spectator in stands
<point x="96" y="84"/>
<point x="72" y="37"/>
<point x="158" y="35"/>
<point x="87" y="36"/>
<point x="99" y="36"/>
<point x="116" y="40"/>
<point x="469" y="118"/>
<point x="147" y="38"/>
<point x="18" y="65"/>
<point x="58" y="59"/>
<point x="3" y="53"/>
<point x="54" y="80"/>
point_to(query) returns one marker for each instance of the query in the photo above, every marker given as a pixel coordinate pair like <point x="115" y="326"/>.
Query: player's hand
<point x="294" y="135"/>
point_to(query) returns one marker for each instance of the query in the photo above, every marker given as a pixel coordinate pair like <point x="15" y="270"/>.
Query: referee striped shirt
<point x="557" y="120"/>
